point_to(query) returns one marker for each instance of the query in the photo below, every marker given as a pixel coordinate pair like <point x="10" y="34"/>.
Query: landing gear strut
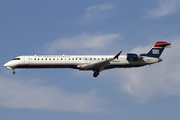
<point x="96" y="73"/>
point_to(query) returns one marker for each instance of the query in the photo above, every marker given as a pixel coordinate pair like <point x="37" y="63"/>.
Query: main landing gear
<point x="96" y="73"/>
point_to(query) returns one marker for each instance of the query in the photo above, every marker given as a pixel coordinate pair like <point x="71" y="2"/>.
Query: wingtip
<point x="118" y="54"/>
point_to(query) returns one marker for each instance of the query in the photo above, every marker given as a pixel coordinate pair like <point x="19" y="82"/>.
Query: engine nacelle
<point x="132" y="56"/>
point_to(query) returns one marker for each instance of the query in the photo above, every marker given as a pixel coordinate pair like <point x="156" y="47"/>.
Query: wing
<point x="99" y="65"/>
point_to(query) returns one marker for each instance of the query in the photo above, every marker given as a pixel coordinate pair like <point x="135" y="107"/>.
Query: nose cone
<point x="8" y="65"/>
<point x="5" y="65"/>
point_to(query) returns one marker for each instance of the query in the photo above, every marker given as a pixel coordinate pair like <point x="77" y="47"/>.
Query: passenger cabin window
<point x="34" y="58"/>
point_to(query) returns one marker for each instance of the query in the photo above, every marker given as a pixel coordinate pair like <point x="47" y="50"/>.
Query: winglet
<point x="118" y="54"/>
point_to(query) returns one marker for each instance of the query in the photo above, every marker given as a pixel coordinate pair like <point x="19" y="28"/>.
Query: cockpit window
<point x="16" y="59"/>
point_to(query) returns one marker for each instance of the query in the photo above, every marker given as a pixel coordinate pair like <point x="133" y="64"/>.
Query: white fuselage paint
<point x="74" y="61"/>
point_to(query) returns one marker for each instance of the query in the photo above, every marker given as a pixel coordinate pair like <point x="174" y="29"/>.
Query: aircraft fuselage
<point x="73" y="61"/>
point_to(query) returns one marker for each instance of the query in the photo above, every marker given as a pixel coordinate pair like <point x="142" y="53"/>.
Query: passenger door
<point x="26" y="60"/>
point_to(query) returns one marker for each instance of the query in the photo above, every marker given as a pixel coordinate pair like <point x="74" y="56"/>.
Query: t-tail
<point x="157" y="49"/>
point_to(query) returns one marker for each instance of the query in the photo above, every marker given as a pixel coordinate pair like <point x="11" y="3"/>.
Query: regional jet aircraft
<point x="95" y="63"/>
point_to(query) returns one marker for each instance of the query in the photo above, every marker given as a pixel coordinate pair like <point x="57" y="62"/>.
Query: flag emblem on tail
<point x="155" y="51"/>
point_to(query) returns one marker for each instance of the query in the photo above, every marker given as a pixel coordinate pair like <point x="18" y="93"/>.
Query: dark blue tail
<point x="157" y="49"/>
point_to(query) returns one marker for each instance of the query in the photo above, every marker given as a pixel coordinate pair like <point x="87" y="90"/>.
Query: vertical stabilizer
<point x="157" y="49"/>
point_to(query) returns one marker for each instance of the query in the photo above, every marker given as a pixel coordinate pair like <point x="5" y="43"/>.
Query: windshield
<point x="16" y="59"/>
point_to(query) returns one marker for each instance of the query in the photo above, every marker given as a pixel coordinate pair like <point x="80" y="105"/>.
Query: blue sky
<point x="89" y="27"/>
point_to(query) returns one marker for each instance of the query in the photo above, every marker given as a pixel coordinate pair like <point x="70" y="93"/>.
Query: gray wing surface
<point x="99" y="65"/>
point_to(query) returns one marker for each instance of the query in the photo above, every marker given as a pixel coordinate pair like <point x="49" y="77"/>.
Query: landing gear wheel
<point x="14" y="72"/>
<point x="96" y="73"/>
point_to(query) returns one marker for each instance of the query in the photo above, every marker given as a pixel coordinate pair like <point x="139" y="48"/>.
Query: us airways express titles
<point x="95" y="63"/>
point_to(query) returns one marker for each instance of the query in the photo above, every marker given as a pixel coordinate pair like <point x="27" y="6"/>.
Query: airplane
<point x="95" y="63"/>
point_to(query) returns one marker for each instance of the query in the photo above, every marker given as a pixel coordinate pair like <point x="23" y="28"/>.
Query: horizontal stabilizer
<point x="162" y="44"/>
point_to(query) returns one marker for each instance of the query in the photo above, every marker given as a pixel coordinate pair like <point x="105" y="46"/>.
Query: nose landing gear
<point x="14" y="72"/>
